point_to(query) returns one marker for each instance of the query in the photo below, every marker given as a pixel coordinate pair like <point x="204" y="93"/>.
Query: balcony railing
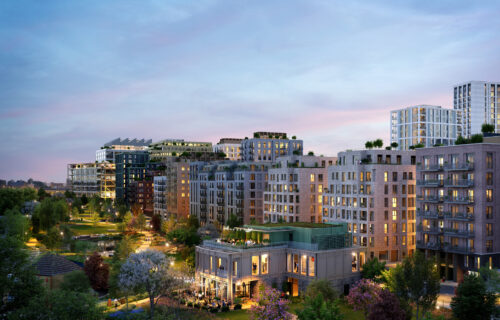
<point x="457" y="249"/>
<point x="430" y="167"/>
<point x="459" y="183"/>
<point x="429" y="245"/>
<point x="458" y="233"/>
<point x="459" y="200"/>
<point x="430" y="214"/>
<point x="430" y="198"/>
<point x="459" y="166"/>
<point x="430" y="183"/>
<point x="461" y="216"/>
<point x="431" y="230"/>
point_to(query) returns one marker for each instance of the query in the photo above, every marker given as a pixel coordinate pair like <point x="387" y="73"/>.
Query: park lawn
<point x="233" y="315"/>
<point x="88" y="228"/>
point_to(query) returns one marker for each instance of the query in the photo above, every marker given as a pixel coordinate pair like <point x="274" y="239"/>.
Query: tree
<point x="491" y="279"/>
<point x="233" y="221"/>
<point x="387" y="308"/>
<point x="310" y="153"/>
<point x="53" y="238"/>
<point x="369" y="145"/>
<point x="60" y="305"/>
<point x="11" y="198"/>
<point x="487" y="128"/>
<point x="460" y="140"/>
<point x="378" y="143"/>
<point x="394" y="145"/>
<point x="75" y="281"/>
<point x="372" y="270"/>
<point x="42" y="194"/>
<point x="317" y="308"/>
<point x="192" y="222"/>
<point x="123" y="249"/>
<point x="416" y="281"/>
<point x="322" y="287"/>
<point x="270" y="306"/>
<point x="18" y="280"/>
<point x="15" y="225"/>
<point x="472" y="300"/>
<point x="169" y="224"/>
<point x="147" y="271"/>
<point x="49" y="213"/>
<point x="97" y="272"/>
<point x="364" y="295"/>
<point x="122" y="211"/>
<point x="476" y="138"/>
<point x="156" y="222"/>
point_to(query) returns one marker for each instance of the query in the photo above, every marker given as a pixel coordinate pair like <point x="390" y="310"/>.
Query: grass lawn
<point x="88" y="228"/>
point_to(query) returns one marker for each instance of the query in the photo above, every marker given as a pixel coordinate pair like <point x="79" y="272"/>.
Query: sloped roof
<point x="53" y="264"/>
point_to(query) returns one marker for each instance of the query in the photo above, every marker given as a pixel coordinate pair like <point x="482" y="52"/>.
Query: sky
<point x="77" y="74"/>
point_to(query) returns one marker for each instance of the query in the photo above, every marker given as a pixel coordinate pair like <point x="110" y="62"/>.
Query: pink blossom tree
<point x="270" y="306"/>
<point x="363" y="295"/>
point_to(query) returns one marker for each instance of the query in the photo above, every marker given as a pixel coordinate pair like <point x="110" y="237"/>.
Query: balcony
<point x="459" y="216"/>
<point x="460" y="183"/>
<point x="429" y="245"/>
<point x="457" y="249"/>
<point x="459" y="200"/>
<point x="430" y="214"/>
<point x="458" y="233"/>
<point x="203" y="200"/>
<point x="239" y="187"/>
<point x="430" y="168"/>
<point x="220" y="186"/>
<point x="239" y="196"/>
<point x="203" y="186"/>
<point x="430" y="183"/>
<point x="433" y="199"/>
<point x="203" y="193"/>
<point x="459" y="166"/>
<point x="220" y="202"/>
<point x="430" y="230"/>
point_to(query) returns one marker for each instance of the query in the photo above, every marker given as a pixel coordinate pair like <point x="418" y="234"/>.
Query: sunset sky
<point x="77" y="74"/>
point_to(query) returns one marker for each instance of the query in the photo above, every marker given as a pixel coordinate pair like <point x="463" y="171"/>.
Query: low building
<point x="109" y="150"/>
<point x="295" y="187"/>
<point x="287" y="256"/>
<point x="51" y="269"/>
<point x="230" y="146"/>
<point x="91" y="179"/>
<point x="268" y="146"/>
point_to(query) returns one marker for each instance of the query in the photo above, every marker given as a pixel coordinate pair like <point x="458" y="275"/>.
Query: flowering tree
<point x="387" y="308"/>
<point x="364" y="295"/>
<point x="147" y="271"/>
<point x="270" y="306"/>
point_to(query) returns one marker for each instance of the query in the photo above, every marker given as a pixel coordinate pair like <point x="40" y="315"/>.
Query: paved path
<point x="446" y="292"/>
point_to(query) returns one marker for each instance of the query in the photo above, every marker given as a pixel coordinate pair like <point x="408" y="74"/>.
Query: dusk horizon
<point x="74" y="76"/>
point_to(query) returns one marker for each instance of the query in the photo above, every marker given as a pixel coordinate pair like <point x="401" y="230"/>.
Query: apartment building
<point x="295" y="187"/>
<point x="219" y="189"/>
<point x="177" y="187"/>
<point x="458" y="207"/>
<point x="268" y="146"/>
<point x="373" y="191"/>
<point x="289" y="255"/>
<point x="231" y="147"/>
<point x="162" y="150"/>
<point x="91" y="179"/>
<point x="424" y="124"/>
<point x="478" y="103"/>
<point x="141" y="193"/>
<point x="109" y="150"/>
<point x="130" y="166"/>
<point x="160" y="196"/>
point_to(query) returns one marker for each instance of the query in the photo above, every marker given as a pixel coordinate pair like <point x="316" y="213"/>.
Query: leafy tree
<point x="373" y="269"/>
<point x="75" y="281"/>
<point x="394" y="145"/>
<point x="147" y="271"/>
<point x="84" y="200"/>
<point x="15" y="225"/>
<point x="369" y="145"/>
<point x="460" y="140"/>
<point x="270" y="306"/>
<point x="322" y="287"/>
<point x="378" y="143"/>
<point x="49" y="213"/>
<point x="97" y="272"/>
<point x="69" y="194"/>
<point x="317" y="308"/>
<point x="487" y="128"/>
<point x="156" y="222"/>
<point x="472" y="300"/>
<point x="169" y="224"/>
<point x="42" y="194"/>
<point x="11" y="198"/>
<point x="184" y="236"/>
<point x="136" y="209"/>
<point x="415" y="281"/>
<point x="233" y="221"/>
<point x="18" y="281"/>
<point x="491" y="278"/>
<point x="123" y="249"/>
<point x="310" y="153"/>
<point x="192" y="222"/>
<point x="140" y="221"/>
<point x="476" y="138"/>
<point x="387" y="308"/>
<point x="60" y="305"/>
<point x="364" y="295"/>
<point x="52" y="239"/>
<point x="122" y="211"/>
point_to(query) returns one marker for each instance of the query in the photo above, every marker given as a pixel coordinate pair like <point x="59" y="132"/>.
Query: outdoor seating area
<point x="212" y="303"/>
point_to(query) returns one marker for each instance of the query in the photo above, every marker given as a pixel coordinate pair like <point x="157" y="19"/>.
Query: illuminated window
<point x="264" y="263"/>
<point x="235" y="268"/>
<point x="311" y="266"/>
<point x="255" y="265"/>
<point x="312" y="177"/>
<point x="296" y="263"/>
<point x="386" y="227"/>
<point x="394" y="202"/>
<point x="386" y="174"/>
<point x="303" y="265"/>
<point x="394" y="215"/>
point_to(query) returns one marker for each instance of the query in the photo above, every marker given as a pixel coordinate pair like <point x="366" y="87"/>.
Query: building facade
<point x="140" y="193"/>
<point x="109" y="150"/>
<point x="424" y="124"/>
<point x="294" y="191"/>
<point x="373" y="191"/>
<point x="289" y="256"/>
<point x="91" y="179"/>
<point x="231" y="147"/>
<point x="478" y="103"/>
<point x="219" y="189"/>
<point x="160" y="196"/>
<point x="458" y="207"/>
<point x="130" y="167"/>
<point x="268" y="146"/>
<point x="162" y="150"/>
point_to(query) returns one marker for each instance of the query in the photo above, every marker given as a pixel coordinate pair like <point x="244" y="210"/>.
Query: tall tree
<point x="317" y="308"/>
<point x="363" y="295"/>
<point x="373" y="269"/>
<point x="76" y="281"/>
<point x="322" y="287"/>
<point x="156" y="222"/>
<point x="473" y="301"/>
<point x="97" y="272"/>
<point x="147" y="271"/>
<point x="487" y="128"/>
<point x="14" y="224"/>
<point x="415" y="281"/>
<point x="387" y="308"/>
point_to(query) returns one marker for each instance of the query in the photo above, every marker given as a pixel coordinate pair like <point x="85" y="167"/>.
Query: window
<point x="311" y="266"/>
<point x="394" y="176"/>
<point x="489" y="229"/>
<point x="296" y="263"/>
<point x="394" y="202"/>
<point x="386" y="215"/>
<point x="386" y="189"/>
<point x="489" y="195"/>
<point x="255" y="265"/>
<point x="386" y="202"/>
<point x="289" y="266"/>
<point x="303" y="265"/>
<point x="386" y="227"/>
<point x="489" y="160"/>
<point x="312" y="177"/>
<point x="264" y="263"/>
<point x="386" y="176"/>
<point x="394" y="228"/>
<point x="394" y="215"/>
<point x="489" y="212"/>
<point x="235" y="268"/>
<point x="211" y="263"/>
<point x="489" y="178"/>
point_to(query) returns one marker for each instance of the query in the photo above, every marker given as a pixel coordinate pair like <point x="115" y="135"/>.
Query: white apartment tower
<point x="424" y="124"/>
<point x="478" y="103"/>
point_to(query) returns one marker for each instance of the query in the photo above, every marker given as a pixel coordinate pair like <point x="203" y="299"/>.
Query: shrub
<point x="224" y="309"/>
<point x="237" y="306"/>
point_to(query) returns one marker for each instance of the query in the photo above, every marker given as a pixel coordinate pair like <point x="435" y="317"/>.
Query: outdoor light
<point x="171" y="263"/>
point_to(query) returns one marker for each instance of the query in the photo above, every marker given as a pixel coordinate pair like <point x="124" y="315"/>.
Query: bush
<point x="237" y="306"/>
<point x="214" y="310"/>
<point x="224" y="309"/>
<point x="189" y="304"/>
